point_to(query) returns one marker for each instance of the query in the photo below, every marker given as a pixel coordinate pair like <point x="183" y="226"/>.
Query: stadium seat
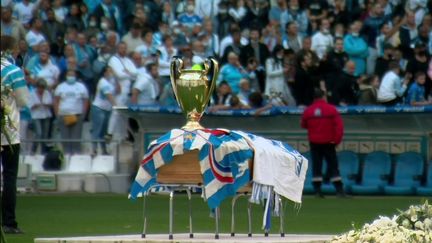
<point x="79" y="163"/>
<point x="348" y="169"/>
<point x="376" y="169"/>
<point x="36" y="162"/>
<point x="427" y="189"/>
<point x="103" y="164"/>
<point x="408" y="171"/>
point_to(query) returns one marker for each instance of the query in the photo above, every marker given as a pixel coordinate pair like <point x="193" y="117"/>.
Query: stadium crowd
<point x="82" y="57"/>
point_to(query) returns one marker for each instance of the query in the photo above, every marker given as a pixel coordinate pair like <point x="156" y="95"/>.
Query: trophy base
<point x="192" y="126"/>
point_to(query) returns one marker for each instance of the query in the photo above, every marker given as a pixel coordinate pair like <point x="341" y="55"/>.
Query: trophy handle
<point x="214" y="73"/>
<point x="175" y="71"/>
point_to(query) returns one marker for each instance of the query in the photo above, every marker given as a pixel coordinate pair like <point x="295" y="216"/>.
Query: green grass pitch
<point x="62" y="215"/>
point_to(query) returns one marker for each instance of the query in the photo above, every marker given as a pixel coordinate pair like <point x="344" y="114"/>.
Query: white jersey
<point x="104" y="88"/>
<point x="72" y="97"/>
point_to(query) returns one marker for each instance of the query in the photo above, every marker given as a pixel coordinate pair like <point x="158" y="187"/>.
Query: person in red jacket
<point x="325" y="131"/>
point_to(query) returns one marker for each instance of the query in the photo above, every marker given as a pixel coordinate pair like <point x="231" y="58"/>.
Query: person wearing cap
<point x="325" y="131"/>
<point x="41" y="104"/>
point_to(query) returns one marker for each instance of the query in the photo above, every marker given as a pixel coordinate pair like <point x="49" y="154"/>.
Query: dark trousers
<point x="320" y="152"/>
<point x="9" y="163"/>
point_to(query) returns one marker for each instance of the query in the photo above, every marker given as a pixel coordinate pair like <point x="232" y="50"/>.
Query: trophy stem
<point x="192" y="126"/>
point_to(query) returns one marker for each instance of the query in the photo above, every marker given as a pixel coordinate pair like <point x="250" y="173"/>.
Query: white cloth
<point x="32" y="38"/>
<point x="72" y="97"/>
<point x="321" y="43"/>
<point x="148" y="89"/>
<point x="207" y="8"/>
<point x="103" y="89"/>
<point x="277" y="166"/>
<point x="44" y="111"/>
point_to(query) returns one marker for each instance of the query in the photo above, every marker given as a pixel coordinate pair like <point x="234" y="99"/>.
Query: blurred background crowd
<point x="81" y="57"/>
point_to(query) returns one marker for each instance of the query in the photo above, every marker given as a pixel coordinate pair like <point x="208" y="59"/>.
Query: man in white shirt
<point x="146" y="89"/>
<point x="322" y="41"/>
<point x="125" y="72"/>
<point x="133" y="37"/>
<point x="167" y="51"/>
<point x="35" y="37"/>
<point x="392" y="87"/>
<point x="46" y="70"/>
<point x="23" y="11"/>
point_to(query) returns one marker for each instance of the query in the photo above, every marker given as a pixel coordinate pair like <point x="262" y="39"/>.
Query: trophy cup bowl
<point x="193" y="89"/>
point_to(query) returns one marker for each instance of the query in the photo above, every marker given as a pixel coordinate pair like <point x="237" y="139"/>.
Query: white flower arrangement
<point x="412" y="225"/>
<point x="5" y="111"/>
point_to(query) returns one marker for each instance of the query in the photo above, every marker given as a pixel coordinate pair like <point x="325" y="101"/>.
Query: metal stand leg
<point x="217" y="223"/>
<point x="281" y="218"/>
<point x="249" y="212"/>
<point x="190" y="212"/>
<point x="171" y="215"/>
<point x="143" y="235"/>
<point x="233" y="202"/>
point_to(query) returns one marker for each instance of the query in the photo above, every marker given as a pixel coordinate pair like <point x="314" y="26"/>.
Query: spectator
<point x="416" y="92"/>
<point x="221" y="100"/>
<point x="85" y="55"/>
<point x="254" y="49"/>
<point x="371" y="28"/>
<point x="408" y="35"/>
<point x="322" y="41"/>
<point x="13" y="78"/>
<point x="317" y="10"/>
<point x="276" y="11"/>
<point x="198" y="51"/>
<point x="368" y="90"/>
<point x="110" y="11"/>
<point x="255" y="75"/>
<point x="232" y="72"/>
<point x="387" y="37"/>
<point x="235" y="46"/>
<point x="35" y="37"/>
<point x="338" y="13"/>
<point x="325" y="132"/>
<point x="22" y="56"/>
<point x="133" y="37"/>
<point x="291" y="38"/>
<point x="47" y="70"/>
<point x="304" y="83"/>
<point x="23" y="12"/>
<point x="60" y="10"/>
<point x="167" y="14"/>
<point x="146" y="89"/>
<point x="10" y="26"/>
<point x="237" y="11"/>
<point x="167" y="51"/>
<point x="148" y="47"/>
<point x="356" y="48"/>
<point x="419" y="63"/>
<point x="337" y="57"/>
<point x="275" y="80"/>
<point x="41" y="105"/>
<point x="383" y="61"/>
<point x="93" y="29"/>
<point x="125" y="72"/>
<point x="245" y="91"/>
<point x="70" y="106"/>
<point x="52" y="28"/>
<point x="210" y="39"/>
<point x="69" y="52"/>
<point x="103" y="102"/>
<point x="271" y="36"/>
<point x="73" y="18"/>
<point x="346" y="87"/>
<point x="207" y="9"/>
<point x="235" y="32"/>
<point x="297" y="15"/>
<point x="189" y="19"/>
<point x="392" y="88"/>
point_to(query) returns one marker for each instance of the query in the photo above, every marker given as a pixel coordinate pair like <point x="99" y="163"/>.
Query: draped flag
<point x="223" y="158"/>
